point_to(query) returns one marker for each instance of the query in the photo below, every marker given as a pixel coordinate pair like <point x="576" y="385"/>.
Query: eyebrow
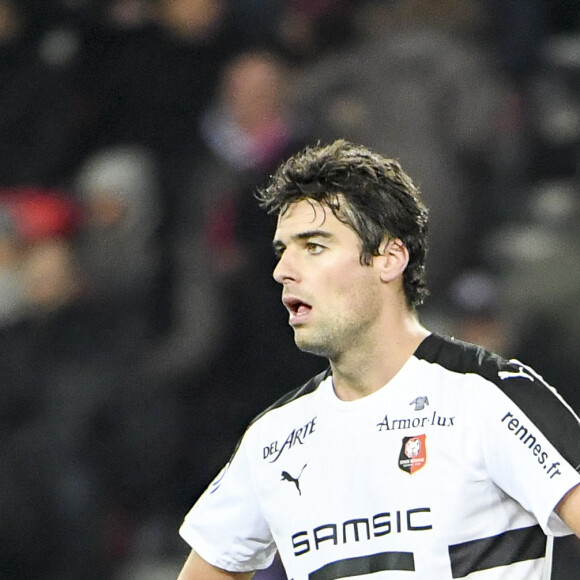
<point x="306" y="235"/>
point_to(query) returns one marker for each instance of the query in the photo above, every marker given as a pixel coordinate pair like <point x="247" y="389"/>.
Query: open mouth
<point x="296" y="307"/>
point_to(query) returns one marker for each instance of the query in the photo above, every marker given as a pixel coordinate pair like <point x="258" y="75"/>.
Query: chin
<point x="312" y="346"/>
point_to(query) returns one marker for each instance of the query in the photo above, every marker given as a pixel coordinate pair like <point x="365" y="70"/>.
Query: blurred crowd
<point x="140" y="328"/>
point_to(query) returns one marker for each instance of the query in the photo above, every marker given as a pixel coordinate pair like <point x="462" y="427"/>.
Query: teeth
<point x="297" y="306"/>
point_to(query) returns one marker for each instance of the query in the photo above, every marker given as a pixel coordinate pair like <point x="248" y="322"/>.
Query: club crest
<point x="413" y="455"/>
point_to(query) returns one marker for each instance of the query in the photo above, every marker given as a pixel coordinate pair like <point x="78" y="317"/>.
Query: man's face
<point x="332" y="299"/>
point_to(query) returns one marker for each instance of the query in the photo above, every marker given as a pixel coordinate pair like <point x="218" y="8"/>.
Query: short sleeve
<point x="226" y="526"/>
<point x="531" y="442"/>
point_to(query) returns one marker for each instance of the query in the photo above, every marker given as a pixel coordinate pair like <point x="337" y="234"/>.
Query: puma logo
<point x="287" y="477"/>
<point x="521" y="372"/>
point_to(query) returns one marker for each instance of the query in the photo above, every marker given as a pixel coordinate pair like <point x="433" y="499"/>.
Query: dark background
<point x="140" y="329"/>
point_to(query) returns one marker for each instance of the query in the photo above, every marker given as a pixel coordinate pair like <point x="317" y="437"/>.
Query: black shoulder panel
<point x="305" y="389"/>
<point x="528" y="390"/>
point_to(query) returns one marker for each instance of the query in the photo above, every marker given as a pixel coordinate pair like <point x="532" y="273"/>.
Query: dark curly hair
<point x="380" y="201"/>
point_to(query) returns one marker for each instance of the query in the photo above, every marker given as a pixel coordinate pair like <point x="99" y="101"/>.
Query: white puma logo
<point x="521" y="372"/>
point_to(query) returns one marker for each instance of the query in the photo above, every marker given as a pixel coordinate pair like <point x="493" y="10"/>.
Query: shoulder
<point x="291" y="408"/>
<point x="293" y="396"/>
<point x="470" y="359"/>
<point x="460" y="357"/>
<point x="511" y="378"/>
<point x="504" y="379"/>
<point x="269" y="421"/>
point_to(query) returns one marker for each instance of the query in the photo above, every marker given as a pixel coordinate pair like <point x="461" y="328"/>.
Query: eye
<point x="314" y="248"/>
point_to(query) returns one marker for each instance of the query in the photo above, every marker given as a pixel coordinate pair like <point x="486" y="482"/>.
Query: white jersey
<point x="452" y="470"/>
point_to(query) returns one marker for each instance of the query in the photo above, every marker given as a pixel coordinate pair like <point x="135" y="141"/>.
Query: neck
<point x="362" y="371"/>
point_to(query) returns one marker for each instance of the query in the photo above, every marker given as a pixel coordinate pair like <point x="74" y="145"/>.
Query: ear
<point x="393" y="259"/>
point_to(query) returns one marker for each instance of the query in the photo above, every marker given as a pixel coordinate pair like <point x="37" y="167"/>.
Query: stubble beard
<point x="331" y="341"/>
<point x="332" y="336"/>
<point x="316" y="345"/>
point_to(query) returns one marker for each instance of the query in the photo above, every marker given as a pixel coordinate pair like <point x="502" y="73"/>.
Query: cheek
<point x="368" y="290"/>
<point x="352" y="287"/>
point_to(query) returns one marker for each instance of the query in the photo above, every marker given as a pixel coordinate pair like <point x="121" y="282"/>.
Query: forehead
<point x="308" y="214"/>
<point x="304" y="210"/>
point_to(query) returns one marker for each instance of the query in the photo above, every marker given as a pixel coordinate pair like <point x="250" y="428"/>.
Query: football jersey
<point x="451" y="470"/>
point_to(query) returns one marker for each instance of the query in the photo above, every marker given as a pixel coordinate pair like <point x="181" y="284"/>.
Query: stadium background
<point x="140" y="329"/>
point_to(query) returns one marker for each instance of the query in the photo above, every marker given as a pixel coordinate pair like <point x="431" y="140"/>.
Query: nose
<point x="285" y="269"/>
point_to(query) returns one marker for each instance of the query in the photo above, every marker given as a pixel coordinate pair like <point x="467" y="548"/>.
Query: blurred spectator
<point x="155" y="67"/>
<point x="476" y="313"/>
<point x="119" y="190"/>
<point x="38" y="269"/>
<point x="69" y="367"/>
<point x="246" y="129"/>
<point x="121" y="273"/>
<point x="46" y="491"/>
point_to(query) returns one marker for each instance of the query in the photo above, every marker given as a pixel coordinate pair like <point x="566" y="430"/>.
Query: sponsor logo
<point x="362" y="529"/>
<point x="295" y="480"/>
<point x="274" y="450"/>
<point x="434" y="420"/>
<point x="525" y="435"/>
<point x="521" y="372"/>
<point x="420" y="403"/>
<point x="413" y="455"/>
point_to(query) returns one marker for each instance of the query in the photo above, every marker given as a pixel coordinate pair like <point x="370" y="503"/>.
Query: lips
<point x="298" y="309"/>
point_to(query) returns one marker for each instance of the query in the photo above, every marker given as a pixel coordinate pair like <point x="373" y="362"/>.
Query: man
<point x="414" y="455"/>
